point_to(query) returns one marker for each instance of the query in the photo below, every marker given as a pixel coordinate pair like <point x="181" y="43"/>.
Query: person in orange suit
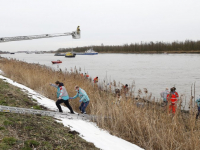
<point x="172" y="100"/>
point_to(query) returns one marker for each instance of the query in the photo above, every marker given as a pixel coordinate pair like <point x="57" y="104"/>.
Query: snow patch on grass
<point x="88" y="130"/>
<point x="1" y="72"/>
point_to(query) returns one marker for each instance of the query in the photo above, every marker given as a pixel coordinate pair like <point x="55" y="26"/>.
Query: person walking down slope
<point x="164" y="95"/>
<point x="198" y="105"/>
<point x="84" y="99"/>
<point x="62" y="96"/>
<point x="172" y="99"/>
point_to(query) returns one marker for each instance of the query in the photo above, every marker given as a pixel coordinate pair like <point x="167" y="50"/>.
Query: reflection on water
<point x="152" y="71"/>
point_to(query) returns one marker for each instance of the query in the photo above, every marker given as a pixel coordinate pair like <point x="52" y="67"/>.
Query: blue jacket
<point x="83" y="95"/>
<point x="198" y="101"/>
<point x="61" y="91"/>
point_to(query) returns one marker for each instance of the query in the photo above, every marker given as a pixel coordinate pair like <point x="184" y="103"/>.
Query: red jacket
<point x="176" y="94"/>
<point x="173" y="97"/>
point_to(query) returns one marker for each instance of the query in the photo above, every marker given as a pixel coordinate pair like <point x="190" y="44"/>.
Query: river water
<point x="152" y="71"/>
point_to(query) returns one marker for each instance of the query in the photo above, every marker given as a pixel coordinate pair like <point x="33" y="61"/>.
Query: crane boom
<point x="74" y="34"/>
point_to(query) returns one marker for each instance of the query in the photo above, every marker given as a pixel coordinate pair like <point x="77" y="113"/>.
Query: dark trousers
<point x="198" y="112"/>
<point x="83" y="106"/>
<point x="59" y="101"/>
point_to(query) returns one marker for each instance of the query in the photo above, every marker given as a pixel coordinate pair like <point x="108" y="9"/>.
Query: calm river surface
<point x="152" y="71"/>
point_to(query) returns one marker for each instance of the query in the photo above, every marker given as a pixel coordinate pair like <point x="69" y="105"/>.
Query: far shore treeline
<point x="187" y="46"/>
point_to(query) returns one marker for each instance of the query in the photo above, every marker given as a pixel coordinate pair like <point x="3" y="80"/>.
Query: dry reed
<point x="150" y="126"/>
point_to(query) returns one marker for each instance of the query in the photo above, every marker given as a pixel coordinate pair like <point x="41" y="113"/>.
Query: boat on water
<point x="88" y="52"/>
<point x="12" y="53"/>
<point x="56" y="62"/>
<point x="59" y="54"/>
<point x="70" y="55"/>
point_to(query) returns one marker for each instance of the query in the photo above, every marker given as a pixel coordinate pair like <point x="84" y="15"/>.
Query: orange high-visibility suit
<point x="172" y="99"/>
<point x="176" y="94"/>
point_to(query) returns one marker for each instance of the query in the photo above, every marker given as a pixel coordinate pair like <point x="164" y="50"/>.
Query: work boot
<point x="58" y="111"/>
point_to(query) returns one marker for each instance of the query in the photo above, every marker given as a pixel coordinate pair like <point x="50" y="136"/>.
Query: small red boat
<point x="56" y="62"/>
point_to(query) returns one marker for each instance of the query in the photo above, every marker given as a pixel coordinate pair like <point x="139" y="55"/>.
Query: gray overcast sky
<point x="111" y="22"/>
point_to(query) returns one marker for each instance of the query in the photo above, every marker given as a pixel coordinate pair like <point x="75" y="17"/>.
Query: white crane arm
<point x="74" y="34"/>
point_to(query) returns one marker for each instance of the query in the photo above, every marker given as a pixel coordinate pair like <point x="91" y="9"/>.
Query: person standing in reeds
<point x="164" y="95"/>
<point x="62" y="96"/>
<point x="172" y="99"/>
<point x="96" y="79"/>
<point x="84" y="99"/>
<point x="118" y="99"/>
<point x="176" y="93"/>
<point x="86" y="76"/>
<point x="125" y="90"/>
<point x="198" y="106"/>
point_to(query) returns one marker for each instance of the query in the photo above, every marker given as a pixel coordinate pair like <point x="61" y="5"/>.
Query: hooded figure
<point x="62" y="96"/>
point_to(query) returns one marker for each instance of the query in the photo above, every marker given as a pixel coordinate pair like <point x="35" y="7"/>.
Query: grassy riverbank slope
<point x="25" y="132"/>
<point x="144" y="47"/>
<point x="150" y="127"/>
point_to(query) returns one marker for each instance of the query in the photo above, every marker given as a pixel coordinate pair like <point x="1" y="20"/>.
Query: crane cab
<point x="76" y="34"/>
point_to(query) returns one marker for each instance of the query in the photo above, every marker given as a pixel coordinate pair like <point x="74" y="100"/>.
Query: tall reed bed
<point x="149" y="126"/>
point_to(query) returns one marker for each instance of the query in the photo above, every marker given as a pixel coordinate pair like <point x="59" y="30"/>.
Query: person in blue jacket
<point x="62" y="96"/>
<point x="198" y="105"/>
<point x="84" y="99"/>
